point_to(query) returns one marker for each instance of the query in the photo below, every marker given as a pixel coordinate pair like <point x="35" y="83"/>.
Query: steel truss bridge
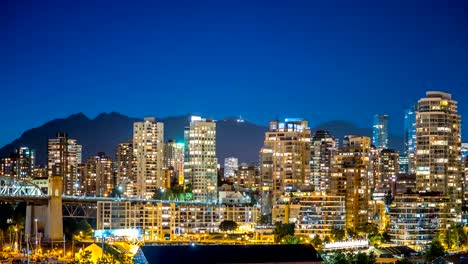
<point x="15" y="190"/>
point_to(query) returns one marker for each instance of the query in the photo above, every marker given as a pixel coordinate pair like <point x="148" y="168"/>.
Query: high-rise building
<point x="26" y="162"/>
<point x="324" y="147"/>
<point x="9" y="167"/>
<point x="403" y="162"/>
<point x="20" y="164"/>
<point x="465" y="181"/>
<point x="40" y="172"/>
<point x="63" y="157"/>
<point x="126" y="174"/>
<point x="174" y="160"/>
<point x="285" y="158"/>
<point x="200" y="159"/>
<point x="230" y="167"/>
<point x="389" y="168"/>
<point x="148" y="151"/>
<point x="410" y="137"/>
<point x="350" y="177"/>
<point x="438" y="145"/>
<point x="406" y="183"/>
<point x="98" y="176"/>
<point x="380" y="131"/>
<point x="464" y="151"/>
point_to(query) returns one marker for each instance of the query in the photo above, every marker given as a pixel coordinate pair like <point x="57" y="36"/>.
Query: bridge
<point x="46" y="210"/>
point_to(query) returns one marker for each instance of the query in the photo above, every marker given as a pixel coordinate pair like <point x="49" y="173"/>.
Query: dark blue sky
<point x="322" y="60"/>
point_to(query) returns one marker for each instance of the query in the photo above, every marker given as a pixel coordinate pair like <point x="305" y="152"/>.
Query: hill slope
<point x="107" y="130"/>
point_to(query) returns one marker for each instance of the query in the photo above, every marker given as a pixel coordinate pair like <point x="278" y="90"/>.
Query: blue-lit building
<point x="464" y="151"/>
<point x="380" y="131"/>
<point x="410" y="137"/>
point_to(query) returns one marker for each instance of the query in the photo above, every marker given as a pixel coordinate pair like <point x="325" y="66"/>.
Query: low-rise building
<point x="314" y="213"/>
<point x="416" y="219"/>
<point x="169" y="220"/>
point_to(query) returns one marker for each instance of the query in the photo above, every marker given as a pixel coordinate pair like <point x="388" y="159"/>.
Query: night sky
<point x="321" y="60"/>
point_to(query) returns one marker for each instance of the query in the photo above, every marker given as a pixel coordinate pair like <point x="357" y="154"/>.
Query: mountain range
<point x="103" y="133"/>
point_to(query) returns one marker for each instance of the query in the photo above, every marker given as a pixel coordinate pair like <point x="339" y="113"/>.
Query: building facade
<point x="148" y="150"/>
<point x="380" y="131"/>
<point x="160" y="220"/>
<point x="351" y="176"/>
<point x="285" y="159"/>
<point x="63" y="157"/>
<point x="323" y="149"/>
<point x="26" y="162"/>
<point x="200" y="159"/>
<point x="314" y="213"/>
<point x="247" y="176"/>
<point x="410" y="138"/>
<point x="174" y="160"/>
<point x="388" y="170"/>
<point x="416" y="220"/>
<point x="98" y="178"/>
<point x="20" y="164"/>
<point x="126" y="171"/>
<point x="9" y="167"/>
<point x="230" y="166"/>
<point x="438" y="146"/>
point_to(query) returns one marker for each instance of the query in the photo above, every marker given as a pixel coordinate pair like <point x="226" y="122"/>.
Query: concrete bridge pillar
<point x="35" y="222"/>
<point x="54" y="227"/>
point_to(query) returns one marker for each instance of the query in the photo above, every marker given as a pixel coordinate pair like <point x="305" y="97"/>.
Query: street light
<point x="35" y="224"/>
<point x="16" y="238"/>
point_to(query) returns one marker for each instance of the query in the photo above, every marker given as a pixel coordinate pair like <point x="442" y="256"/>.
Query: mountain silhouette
<point x="103" y="133"/>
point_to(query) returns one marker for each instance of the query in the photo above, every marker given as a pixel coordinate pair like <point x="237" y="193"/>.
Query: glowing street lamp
<point x="35" y="227"/>
<point x="16" y="239"/>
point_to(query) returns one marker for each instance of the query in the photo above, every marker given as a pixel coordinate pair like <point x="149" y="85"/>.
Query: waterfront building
<point x="170" y="220"/>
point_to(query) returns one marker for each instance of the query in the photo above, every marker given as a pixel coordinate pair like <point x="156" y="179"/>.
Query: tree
<point x="326" y="239"/>
<point x="337" y="234"/>
<point x="282" y="230"/>
<point x="435" y="250"/>
<point x="385" y="236"/>
<point x="124" y="259"/>
<point x="106" y="259"/>
<point x="316" y="241"/>
<point x="83" y="258"/>
<point x="340" y="257"/>
<point x="73" y="226"/>
<point x="337" y="257"/>
<point x="264" y="219"/>
<point x="290" y="240"/>
<point x="161" y="194"/>
<point x="227" y="225"/>
<point x="352" y="233"/>
<point x="177" y="191"/>
<point x="455" y="237"/>
<point x="362" y="257"/>
<point x="375" y="239"/>
<point x="116" y="192"/>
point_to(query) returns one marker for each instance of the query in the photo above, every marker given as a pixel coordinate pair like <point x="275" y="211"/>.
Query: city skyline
<point x="388" y="53"/>
<point x="303" y="181"/>
<point x="215" y="131"/>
